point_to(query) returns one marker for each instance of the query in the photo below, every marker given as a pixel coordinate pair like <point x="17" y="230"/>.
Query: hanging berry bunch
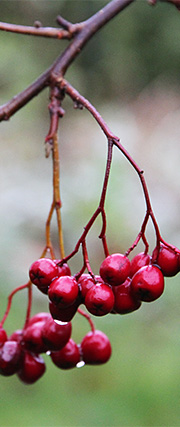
<point x="120" y="286"/>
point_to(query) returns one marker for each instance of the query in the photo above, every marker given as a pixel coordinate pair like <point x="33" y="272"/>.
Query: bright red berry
<point x="63" y="291"/>
<point x="42" y="272"/>
<point x="139" y="260"/>
<point x="148" y="283"/>
<point x="64" y="269"/>
<point x="125" y="301"/>
<point x="85" y="282"/>
<point x="115" y="269"/>
<point x="55" y="335"/>
<point x="68" y="357"/>
<point x="95" y="348"/>
<point x="99" y="299"/>
<point x="10" y="358"/>
<point x="32" y="369"/>
<point x="167" y="260"/>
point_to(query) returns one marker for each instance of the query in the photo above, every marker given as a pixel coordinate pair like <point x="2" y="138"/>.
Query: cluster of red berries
<point x="20" y="353"/>
<point x="120" y="288"/>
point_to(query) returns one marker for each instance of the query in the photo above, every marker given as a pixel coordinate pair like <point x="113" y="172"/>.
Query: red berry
<point x="86" y="282"/>
<point x="139" y="260"/>
<point x="64" y="270"/>
<point x="63" y="291"/>
<point x="115" y="269"/>
<point x="148" y="283"/>
<point x="3" y="336"/>
<point x="95" y="348"/>
<point x="42" y="272"/>
<point x="68" y="357"/>
<point x="99" y="299"/>
<point x="32" y="369"/>
<point x="63" y="314"/>
<point x="125" y="301"/>
<point x="167" y="260"/>
<point x="39" y="317"/>
<point x="16" y="336"/>
<point x="32" y="338"/>
<point x="55" y="335"/>
<point x="10" y="358"/>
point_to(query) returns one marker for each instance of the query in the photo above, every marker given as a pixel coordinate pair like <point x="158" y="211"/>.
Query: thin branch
<point x="57" y="70"/>
<point x="36" y="31"/>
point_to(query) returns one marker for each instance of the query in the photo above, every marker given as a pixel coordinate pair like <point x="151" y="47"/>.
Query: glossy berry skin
<point x="32" y="338"/>
<point x="139" y="260"/>
<point x="86" y="282"/>
<point x="99" y="299"/>
<point x="63" y="291"/>
<point x="42" y="272"/>
<point x="125" y="302"/>
<point x="64" y="270"/>
<point x="10" y="358"/>
<point x="95" y="348"/>
<point x="148" y="283"/>
<point x="115" y="269"/>
<point x="54" y="335"/>
<point x="167" y="260"/>
<point x="68" y="357"/>
<point x="32" y="369"/>
<point x="3" y="336"/>
<point x="63" y="314"/>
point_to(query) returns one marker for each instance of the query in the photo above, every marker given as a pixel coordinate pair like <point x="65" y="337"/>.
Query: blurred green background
<point x="130" y="72"/>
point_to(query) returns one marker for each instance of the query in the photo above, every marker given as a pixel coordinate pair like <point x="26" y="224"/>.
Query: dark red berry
<point x="64" y="269"/>
<point x="63" y="314"/>
<point x="115" y="269"/>
<point x="68" y="357"/>
<point x="56" y="335"/>
<point x="10" y="358"/>
<point x="139" y="260"/>
<point x="32" y="338"/>
<point x="42" y="272"/>
<point x="85" y="283"/>
<point x="148" y="283"/>
<point x="32" y="369"/>
<point x="99" y="299"/>
<point x="63" y="291"/>
<point x="125" y="301"/>
<point x="167" y="260"/>
<point x="3" y="336"/>
<point x="95" y="348"/>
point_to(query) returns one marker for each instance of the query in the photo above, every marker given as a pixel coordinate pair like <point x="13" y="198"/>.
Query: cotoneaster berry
<point x="99" y="299"/>
<point x="63" y="291"/>
<point x="63" y="270"/>
<point x="32" y="368"/>
<point x="32" y="338"/>
<point x="64" y="314"/>
<point x="125" y="301"/>
<point x="42" y="272"/>
<point x="10" y="358"/>
<point x="95" y="348"/>
<point x="167" y="260"/>
<point x="68" y="357"/>
<point x="55" y="335"/>
<point x="115" y="269"/>
<point x="148" y="283"/>
<point x="139" y="260"/>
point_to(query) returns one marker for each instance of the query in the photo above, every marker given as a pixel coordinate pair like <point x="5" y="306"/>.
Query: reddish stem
<point x="87" y="316"/>
<point x="10" y="297"/>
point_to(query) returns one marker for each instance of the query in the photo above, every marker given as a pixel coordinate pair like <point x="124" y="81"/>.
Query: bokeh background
<point x="130" y="72"/>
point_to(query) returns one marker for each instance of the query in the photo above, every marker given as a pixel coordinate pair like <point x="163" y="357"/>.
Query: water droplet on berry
<point x="80" y="364"/>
